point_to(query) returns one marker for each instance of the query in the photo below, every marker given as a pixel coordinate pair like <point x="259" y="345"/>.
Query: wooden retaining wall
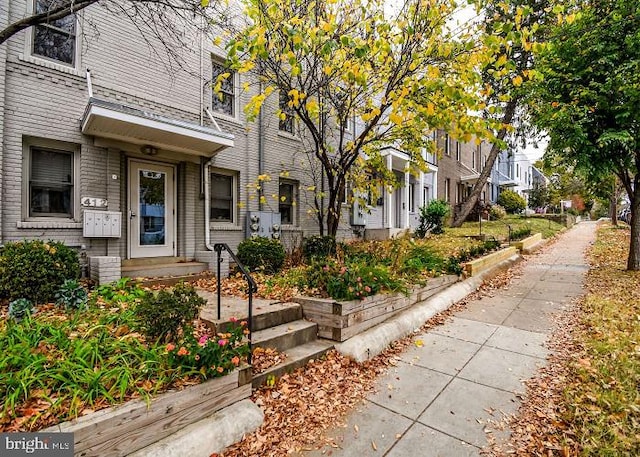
<point x="474" y="267"/>
<point x="121" y="430"/>
<point x="526" y="244"/>
<point x="340" y="320"/>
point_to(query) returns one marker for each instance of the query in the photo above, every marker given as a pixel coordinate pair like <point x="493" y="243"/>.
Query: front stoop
<point x="170" y="269"/>
<point x="296" y="358"/>
<point x="276" y="325"/>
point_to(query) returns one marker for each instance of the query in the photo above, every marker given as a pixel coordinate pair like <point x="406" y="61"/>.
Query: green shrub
<point x="520" y="233"/>
<point x="209" y="357"/>
<point x="71" y="295"/>
<point x="319" y="246"/>
<point x="419" y="259"/>
<point x="36" y="269"/>
<point x="262" y="254"/>
<point x="164" y="314"/>
<point x="497" y="212"/>
<point x="432" y="218"/>
<point x="124" y="290"/>
<point x="511" y="201"/>
<point x="350" y="282"/>
<point x="20" y="308"/>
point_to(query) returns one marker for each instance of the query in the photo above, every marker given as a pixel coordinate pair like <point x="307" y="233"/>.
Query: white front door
<point x="151" y="210"/>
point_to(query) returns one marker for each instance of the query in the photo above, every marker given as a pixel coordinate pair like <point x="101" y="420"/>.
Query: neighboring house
<point x="398" y="210"/>
<point x="502" y="175"/>
<point x="523" y="171"/>
<point x="459" y="168"/>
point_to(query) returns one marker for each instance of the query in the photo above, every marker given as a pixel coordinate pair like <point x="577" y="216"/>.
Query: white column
<point x="405" y="204"/>
<point x="421" y="201"/>
<point x="434" y="185"/>
<point x="388" y="223"/>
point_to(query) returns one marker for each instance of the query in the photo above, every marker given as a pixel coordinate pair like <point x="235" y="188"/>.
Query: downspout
<point x="207" y="206"/>
<point x="260" y="139"/>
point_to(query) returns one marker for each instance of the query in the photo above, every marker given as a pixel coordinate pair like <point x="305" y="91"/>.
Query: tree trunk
<point x="633" y="262"/>
<point x="613" y="208"/>
<point x="471" y="201"/>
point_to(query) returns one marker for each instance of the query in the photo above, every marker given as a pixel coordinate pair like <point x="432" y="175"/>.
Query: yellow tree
<point x="359" y="77"/>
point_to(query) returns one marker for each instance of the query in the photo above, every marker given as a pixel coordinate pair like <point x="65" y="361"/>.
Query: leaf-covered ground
<point x="586" y="401"/>
<point x="302" y="405"/>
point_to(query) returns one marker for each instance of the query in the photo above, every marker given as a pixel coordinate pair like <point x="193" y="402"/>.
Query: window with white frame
<point x="223" y="197"/>
<point x="447" y="190"/>
<point x="54" y="40"/>
<point x="288" y="196"/>
<point x="458" y="151"/>
<point x="224" y="101"/>
<point x="50" y="189"/>
<point x="286" y="122"/>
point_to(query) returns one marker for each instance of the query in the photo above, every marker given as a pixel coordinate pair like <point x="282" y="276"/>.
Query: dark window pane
<point x="152" y="207"/>
<point x="221" y="198"/>
<point x="50" y="183"/>
<point x="54" y="45"/>
<point x="224" y="105"/>
<point x="223" y="102"/>
<point x="285" y="206"/>
<point x="287" y="124"/>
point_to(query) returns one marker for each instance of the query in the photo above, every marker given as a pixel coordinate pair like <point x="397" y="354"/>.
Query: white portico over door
<point x="152" y="219"/>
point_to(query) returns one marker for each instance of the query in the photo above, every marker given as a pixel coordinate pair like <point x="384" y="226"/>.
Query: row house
<point x="139" y="167"/>
<point x="143" y="168"/>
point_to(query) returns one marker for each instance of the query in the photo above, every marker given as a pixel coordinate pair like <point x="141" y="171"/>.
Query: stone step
<point x="296" y="357"/>
<point x="163" y="269"/>
<point x="265" y="314"/>
<point x="286" y="336"/>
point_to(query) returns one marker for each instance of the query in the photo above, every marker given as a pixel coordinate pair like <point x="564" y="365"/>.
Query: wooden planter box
<point x="474" y="267"/>
<point x="340" y="320"/>
<point x="123" y="429"/>
<point x="526" y="244"/>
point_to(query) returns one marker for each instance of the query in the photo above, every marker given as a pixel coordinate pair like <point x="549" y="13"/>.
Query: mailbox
<point x="102" y="224"/>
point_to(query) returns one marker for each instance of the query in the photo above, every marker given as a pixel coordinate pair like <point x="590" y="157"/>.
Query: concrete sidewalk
<point x="441" y="397"/>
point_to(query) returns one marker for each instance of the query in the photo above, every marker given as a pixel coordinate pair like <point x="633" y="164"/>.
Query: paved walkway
<point x="440" y="397"/>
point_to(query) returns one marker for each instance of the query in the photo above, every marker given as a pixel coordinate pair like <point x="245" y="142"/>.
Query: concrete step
<point x="265" y="314"/>
<point x="163" y="269"/>
<point x="296" y="357"/>
<point x="286" y="336"/>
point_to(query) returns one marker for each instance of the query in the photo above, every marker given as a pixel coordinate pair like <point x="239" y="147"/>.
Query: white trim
<point x="50" y="63"/>
<point x="94" y="113"/>
<point x="169" y="249"/>
<point x="235" y="190"/>
<point x="236" y="90"/>
<point x="53" y="224"/>
<point x="27" y="143"/>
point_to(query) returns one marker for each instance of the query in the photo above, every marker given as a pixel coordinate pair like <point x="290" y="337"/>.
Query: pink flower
<point x="222" y="342"/>
<point x="233" y="319"/>
<point x="203" y="340"/>
<point x="367" y="288"/>
<point x="236" y="360"/>
<point x="183" y="351"/>
<point x="359" y="279"/>
<point x="326" y="268"/>
<point x="343" y="270"/>
<point x="197" y="357"/>
<point x="170" y="347"/>
<point x="220" y="369"/>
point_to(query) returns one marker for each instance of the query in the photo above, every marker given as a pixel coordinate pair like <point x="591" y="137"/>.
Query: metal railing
<point x="251" y="283"/>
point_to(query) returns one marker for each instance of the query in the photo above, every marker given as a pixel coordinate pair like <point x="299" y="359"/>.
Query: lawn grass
<point x="603" y="399"/>
<point x="499" y="228"/>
